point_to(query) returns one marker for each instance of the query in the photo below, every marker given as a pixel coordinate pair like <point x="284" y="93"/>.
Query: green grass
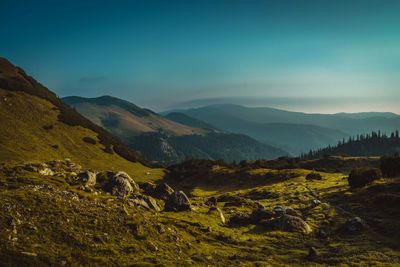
<point x="23" y="138"/>
<point x="101" y="230"/>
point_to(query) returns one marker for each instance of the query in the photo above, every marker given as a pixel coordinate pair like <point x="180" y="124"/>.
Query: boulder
<point x="117" y="183"/>
<point x="145" y="201"/>
<point x="241" y="218"/>
<point x="147" y="187"/>
<point x="177" y="201"/>
<point x="160" y="191"/>
<point x="163" y="191"/>
<point x="88" y="178"/>
<point x="289" y="223"/>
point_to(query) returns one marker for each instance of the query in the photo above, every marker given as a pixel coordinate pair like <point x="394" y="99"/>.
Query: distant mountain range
<point x="296" y="132"/>
<point x="169" y="139"/>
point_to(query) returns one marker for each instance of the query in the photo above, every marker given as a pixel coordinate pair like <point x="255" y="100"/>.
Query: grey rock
<point x="178" y="201"/>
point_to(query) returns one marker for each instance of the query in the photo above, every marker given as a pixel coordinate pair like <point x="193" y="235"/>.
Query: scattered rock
<point x="279" y="210"/>
<point x="87" y="177"/>
<point x="241" y="218"/>
<point x="354" y="225"/>
<point x="46" y="172"/>
<point x="293" y="212"/>
<point x="315" y="202"/>
<point x="289" y="223"/>
<point x="178" y="201"/>
<point x="160" y="191"/>
<point x="261" y="214"/>
<point x="145" y="201"/>
<point x="163" y="191"/>
<point x="212" y="201"/>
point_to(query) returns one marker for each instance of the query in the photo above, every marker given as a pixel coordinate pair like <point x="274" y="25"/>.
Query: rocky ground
<point x="59" y="214"/>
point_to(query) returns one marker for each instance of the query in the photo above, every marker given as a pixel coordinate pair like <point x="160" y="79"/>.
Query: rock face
<point x="289" y="223"/>
<point x="178" y="201"/>
<point x="88" y="178"/>
<point x="118" y="183"/>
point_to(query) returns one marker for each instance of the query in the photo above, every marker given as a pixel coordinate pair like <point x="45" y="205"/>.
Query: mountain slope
<point x="294" y="131"/>
<point x="124" y="118"/>
<point x="189" y="121"/>
<point x="36" y="126"/>
<point x="166" y="141"/>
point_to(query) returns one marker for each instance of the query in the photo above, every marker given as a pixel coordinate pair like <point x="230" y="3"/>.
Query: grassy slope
<point x="23" y="138"/>
<point x="83" y="235"/>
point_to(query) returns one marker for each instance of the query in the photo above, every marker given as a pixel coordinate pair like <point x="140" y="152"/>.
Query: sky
<point x="321" y="56"/>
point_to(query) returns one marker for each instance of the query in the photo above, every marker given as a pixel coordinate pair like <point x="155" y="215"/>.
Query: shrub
<point x="89" y="140"/>
<point x="390" y="166"/>
<point x="313" y="176"/>
<point x="360" y="177"/>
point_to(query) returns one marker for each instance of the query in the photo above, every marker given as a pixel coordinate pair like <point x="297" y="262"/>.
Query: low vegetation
<point x="238" y="216"/>
<point x="360" y="177"/>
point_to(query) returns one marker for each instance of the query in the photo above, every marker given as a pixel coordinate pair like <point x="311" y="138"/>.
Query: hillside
<point x="36" y="126"/>
<point x="166" y="141"/>
<point x="189" y="121"/>
<point x="295" y="132"/>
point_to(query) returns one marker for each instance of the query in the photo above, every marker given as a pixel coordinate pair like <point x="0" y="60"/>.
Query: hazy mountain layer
<point x="294" y="131"/>
<point x="169" y="141"/>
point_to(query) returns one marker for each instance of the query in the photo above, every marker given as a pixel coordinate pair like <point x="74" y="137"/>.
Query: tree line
<point x="371" y="144"/>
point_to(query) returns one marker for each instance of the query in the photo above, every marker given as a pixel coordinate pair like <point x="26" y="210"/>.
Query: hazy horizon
<point x="310" y="56"/>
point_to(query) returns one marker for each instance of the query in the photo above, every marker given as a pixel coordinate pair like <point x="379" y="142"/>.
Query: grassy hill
<point x="36" y="126"/>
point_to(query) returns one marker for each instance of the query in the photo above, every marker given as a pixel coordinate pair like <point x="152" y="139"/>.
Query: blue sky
<point x="160" y="53"/>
